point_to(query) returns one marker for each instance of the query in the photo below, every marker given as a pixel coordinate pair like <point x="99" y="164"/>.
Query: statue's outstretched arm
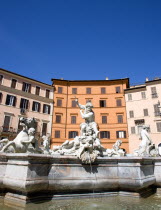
<point x="80" y="105"/>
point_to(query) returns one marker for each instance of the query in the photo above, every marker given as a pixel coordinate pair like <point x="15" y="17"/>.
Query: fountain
<point x="77" y="168"/>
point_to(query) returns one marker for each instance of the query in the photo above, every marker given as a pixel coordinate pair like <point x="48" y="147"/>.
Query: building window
<point x="121" y="134"/>
<point x="74" y="90"/>
<point x="59" y="102"/>
<point x="132" y="130"/>
<point x="57" y="134"/>
<point x="58" y="118"/>
<point x="11" y="100"/>
<point x="145" y="112"/>
<point x="88" y="100"/>
<point x="46" y="109"/>
<point x="104" y="119"/>
<point x="13" y="83"/>
<point x="103" y="90"/>
<point x="44" y="129"/>
<point x="37" y="91"/>
<point x="73" y="134"/>
<point x="102" y="103"/>
<point x="129" y="97"/>
<point x="26" y="87"/>
<point x="156" y="110"/>
<point x="143" y="95"/>
<point x="104" y="134"/>
<point x="131" y="114"/>
<point x="36" y="106"/>
<point x="154" y="92"/>
<point x="6" y="123"/>
<point x="73" y="119"/>
<point x="60" y="89"/>
<point x="1" y="79"/>
<point x="118" y="102"/>
<point x="118" y="90"/>
<point x="74" y="103"/>
<point x="24" y="103"/>
<point x="120" y="118"/>
<point x="47" y="95"/>
<point x="158" y="126"/>
<point x="88" y="90"/>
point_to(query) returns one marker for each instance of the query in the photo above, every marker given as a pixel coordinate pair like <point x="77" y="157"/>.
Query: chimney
<point x="62" y="78"/>
<point x="147" y="79"/>
<point x="106" y="78"/>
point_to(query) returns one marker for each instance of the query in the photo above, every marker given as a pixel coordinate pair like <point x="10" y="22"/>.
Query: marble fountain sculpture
<point x="79" y="167"/>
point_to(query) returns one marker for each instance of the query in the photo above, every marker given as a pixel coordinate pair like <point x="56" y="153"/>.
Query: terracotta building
<point x="142" y="109"/>
<point x="23" y="96"/>
<point x="107" y="97"/>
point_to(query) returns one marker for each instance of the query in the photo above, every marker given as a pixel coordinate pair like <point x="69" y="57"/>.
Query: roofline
<point x="24" y="77"/>
<point x="62" y="80"/>
<point x="154" y="80"/>
<point x="133" y="88"/>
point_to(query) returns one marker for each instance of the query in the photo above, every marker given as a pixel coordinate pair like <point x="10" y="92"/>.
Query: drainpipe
<point x="66" y="111"/>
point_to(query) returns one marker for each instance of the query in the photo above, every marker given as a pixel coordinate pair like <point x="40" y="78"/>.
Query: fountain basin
<point x="31" y="177"/>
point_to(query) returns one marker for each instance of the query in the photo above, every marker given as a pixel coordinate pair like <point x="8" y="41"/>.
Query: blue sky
<point x="81" y="39"/>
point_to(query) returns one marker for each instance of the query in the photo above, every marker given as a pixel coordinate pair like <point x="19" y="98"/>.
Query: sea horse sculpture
<point x="25" y="138"/>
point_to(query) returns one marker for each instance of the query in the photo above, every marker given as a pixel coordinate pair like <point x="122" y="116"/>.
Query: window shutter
<point x="117" y="89"/>
<point x="73" y="119"/>
<point x="74" y="103"/>
<point x="8" y="99"/>
<point x="103" y="90"/>
<point x="88" y="90"/>
<point x="120" y="118"/>
<point x="159" y="127"/>
<point x="118" y="102"/>
<point x="48" y="109"/>
<point x="108" y="134"/>
<point x="27" y="104"/>
<point x="44" y="129"/>
<point x="23" y="87"/>
<point x="124" y="134"/>
<point x="1" y="97"/>
<point x="14" y="101"/>
<point x="33" y="106"/>
<point x="104" y="119"/>
<point x="117" y="134"/>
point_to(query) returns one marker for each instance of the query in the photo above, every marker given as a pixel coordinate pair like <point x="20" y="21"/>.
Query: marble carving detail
<point x="87" y="147"/>
<point x="25" y="141"/>
<point x="146" y="147"/>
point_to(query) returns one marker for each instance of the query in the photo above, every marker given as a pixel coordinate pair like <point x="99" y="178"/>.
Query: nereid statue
<point x="146" y="148"/>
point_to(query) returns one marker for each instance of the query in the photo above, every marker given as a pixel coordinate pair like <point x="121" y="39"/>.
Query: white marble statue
<point x="46" y="144"/>
<point x="146" y="147"/>
<point x="24" y="139"/>
<point x="89" y="117"/>
<point x="116" y="151"/>
<point x="87" y="147"/>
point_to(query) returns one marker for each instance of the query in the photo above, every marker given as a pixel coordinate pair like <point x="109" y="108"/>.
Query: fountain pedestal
<point x="28" y="178"/>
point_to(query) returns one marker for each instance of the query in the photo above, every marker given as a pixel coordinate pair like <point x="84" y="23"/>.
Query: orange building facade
<point x="107" y="97"/>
